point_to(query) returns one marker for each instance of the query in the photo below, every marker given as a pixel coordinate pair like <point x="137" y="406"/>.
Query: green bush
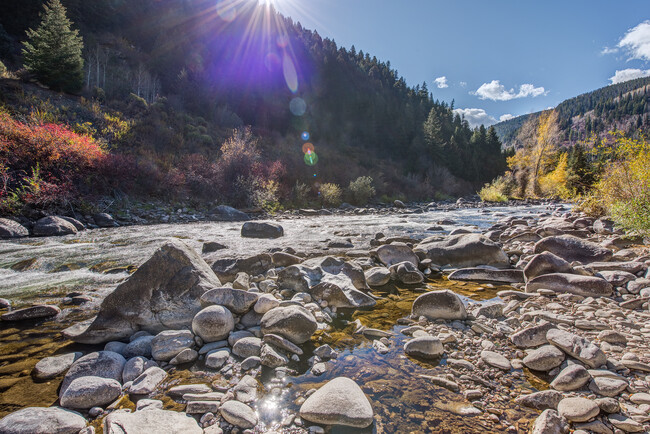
<point x="361" y="190"/>
<point x="3" y="69"/>
<point x="633" y="215"/>
<point x="331" y="194"/>
<point x="498" y="190"/>
<point x="300" y="194"/>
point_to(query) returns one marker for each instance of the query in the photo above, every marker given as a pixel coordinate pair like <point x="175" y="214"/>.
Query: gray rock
<point x="213" y="323"/>
<point x="544" y="358"/>
<point x="546" y="399"/>
<point x="104" y="220"/>
<point x="616" y="278"/>
<point x="247" y="347"/>
<point x="572" y="249"/>
<point x="217" y="358"/>
<point x="250" y="363"/>
<point x="30" y="313"/>
<point x="377" y="276"/>
<point x="426" y="347"/>
<point x="238" y="414"/>
<point x="39" y="420"/>
<point x="53" y="226"/>
<point x="272" y="357"/>
<point x="212" y="246"/>
<point x="246" y="390"/>
<point x="261" y="230"/>
<point x="594" y="426"/>
<point x="407" y="273"/>
<point x="237" y="301"/>
<point x="12" y="229"/>
<point x="178" y="391"/>
<point x="265" y="303"/>
<point x="138" y="347"/>
<point x="487" y="275"/>
<point x="604" y="226"/>
<point x="51" y="367"/>
<point x="292" y="322"/>
<point x="148" y="381"/>
<point x="573" y="377"/>
<point x="202" y="407"/>
<point x="490" y="310"/>
<point x="162" y="294"/>
<point x="237" y="335"/>
<point x="166" y="345"/>
<point x="495" y="360"/>
<point x="439" y="305"/>
<point x="578" y="409"/>
<point x="228" y="269"/>
<point x="394" y="253"/>
<point x="550" y="422"/>
<point x="606" y="386"/>
<point x="465" y="250"/>
<point x="134" y="367"/>
<point x="586" y="286"/>
<point x="577" y="347"/>
<point x="229" y="214"/>
<point x="612" y="337"/>
<point x="282" y="343"/>
<point x="90" y="391"/>
<point x="150" y="421"/>
<point x="545" y="263"/>
<point x="283" y="259"/>
<point x="188" y="355"/>
<point x="625" y="423"/>
<point x="533" y="336"/>
<point x="339" y="402"/>
<point x="104" y="364"/>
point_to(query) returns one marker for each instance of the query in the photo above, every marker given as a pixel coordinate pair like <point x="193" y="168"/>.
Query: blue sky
<point x="488" y="50"/>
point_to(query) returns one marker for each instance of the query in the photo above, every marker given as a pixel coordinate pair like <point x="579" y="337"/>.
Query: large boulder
<point x="12" y="229"/>
<point x="439" y="305"/>
<point x="487" y="275"/>
<point x="227" y="269"/>
<point x="53" y="226"/>
<point x="39" y="420"/>
<point x="90" y="391"/>
<point x="261" y="230"/>
<point x="214" y="323"/>
<point x="545" y="263"/>
<point x="394" y="253"/>
<point x="586" y="286"/>
<point x="104" y="220"/>
<point x="150" y="421"/>
<point x="164" y="293"/>
<point x="377" y="276"/>
<point x="464" y="250"/>
<point x="104" y="364"/>
<point x="292" y="322"/>
<point x="339" y="402"/>
<point x="572" y="248"/>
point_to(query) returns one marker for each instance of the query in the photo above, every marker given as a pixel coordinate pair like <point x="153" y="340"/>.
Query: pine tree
<point x="53" y="52"/>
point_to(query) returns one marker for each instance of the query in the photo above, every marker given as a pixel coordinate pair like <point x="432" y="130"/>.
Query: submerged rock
<point x="426" y="347"/>
<point x="464" y="250"/>
<point x="488" y="275"/>
<point x="29" y="313"/>
<point x="339" y="402"/>
<point x="150" y="421"/>
<point x="439" y="305"/>
<point x="39" y="420"/>
<point x="54" y="366"/>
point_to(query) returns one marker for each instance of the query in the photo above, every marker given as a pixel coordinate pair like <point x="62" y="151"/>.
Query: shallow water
<point x="93" y="262"/>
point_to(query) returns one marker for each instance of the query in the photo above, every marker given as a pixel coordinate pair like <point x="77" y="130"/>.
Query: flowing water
<point x="43" y="270"/>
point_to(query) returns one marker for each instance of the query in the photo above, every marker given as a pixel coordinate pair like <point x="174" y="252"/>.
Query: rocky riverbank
<point x="564" y="346"/>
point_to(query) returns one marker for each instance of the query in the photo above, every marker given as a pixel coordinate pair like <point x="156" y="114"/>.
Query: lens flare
<point x="298" y="106"/>
<point x="307" y="147"/>
<point x="305" y="135"/>
<point x="272" y="61"/>
<point x="282" y="41"/>
<point x="227" y="9"/>
<point x="311" y="158"/>
<point x="290" y="73"/>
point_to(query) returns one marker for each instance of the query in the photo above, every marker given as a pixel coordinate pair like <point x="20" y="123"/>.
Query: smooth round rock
<point x="544" y="358"/>
<point x="214" y="323"/>
<point x="54" y="366"/>
<point x="578" y="409"/>
<point x="495" y="360"/>
<point x="426" y="347"/>
<point x="104" y="364"/>
<point x="39" y="420"/>
<point x="90" y="391"/>
<point x="339" y="402"/>
<point x="439" y="305"/>
<point x="573" y="377"/>
<point x="169" y="343"/>
<point x="292" y="322"/>
<point x="238" y="414"/>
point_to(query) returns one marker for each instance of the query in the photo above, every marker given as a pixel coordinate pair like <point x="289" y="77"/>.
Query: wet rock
<point x="572" y="249"/>
<point x="12" y="229"/>
<point x="573" y="377"/>
<point x="104" y="364"/>
<point x="30" y="313"/>
<point x="439" y="305"/>
<point x="586" y="286"/>
<point x="607" y="386"/>
<point x="407" y="273"/>
<point x="51" y="367"/>
<point x="272" y="357"/>
<point x="247" y="347"/>
<point x="495" y="360"/>
<point x="33" y="420"/>
<point x="544" y="358"/>
<point x="292" y="322"/>
<point x="377" y="276"/>
<point x="150" y="421"/>
<point x="339" y="402"/>
<point x="426" y="347"/>
<point x="577" y="347"/>
<point x="546" y="399"/>
<point x="394" y="253"/>
<point x="53" y="226"/>
<point x="283" y="259"/>
<point x="162" y="294"/>
<point x="212" y="246"/>
<point x="216" y="359"/>
<point x="531" y="337"/>
<point x="238" y="414"/>
<point x="578" y="409"/>
<point x="104" y="220"/>
<point x="261" y="230"/>
<point x="549" y="422"/>
<point x="487" y="275"/>
<point x="465" y="250"/>
<point x="545" y="263"/>
<point x="213" y="323"/>
<point x="228" y="214"/>
<point x="90" y="391"/>
<point x="168" y="344"/>
<point x="228" y="269"/>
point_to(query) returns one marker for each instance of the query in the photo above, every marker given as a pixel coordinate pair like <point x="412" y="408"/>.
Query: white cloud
<point x="476" y="116"/>
<point x="637" y="41"/>
<point x="506" y="117"/>
<point x="628" y="74"/>
<point x="608" y="50"/>
<point x="495" y="91"/>
<point x="441" y="82"/>
<point x="463" y="84"/>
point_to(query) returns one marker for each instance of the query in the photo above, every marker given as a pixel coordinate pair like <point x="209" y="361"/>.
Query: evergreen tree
<point x="53" y="52"/>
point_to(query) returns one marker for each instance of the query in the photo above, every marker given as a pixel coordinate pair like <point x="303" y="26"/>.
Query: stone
<point x="487" y="275"/>
<point x="250" y="363"/>
<point x="442" y="304"/>
<point x="282" y="343"/>
<point x="51" y="367"/>
<point x="492" y="309"/>
<point x="616" y="278"/>
<point x="178" y="391"/>
<point x="42" y="420"/>
<point x="495" y="360"/>
<point x="339" y="402"/>
<point x="148" y="381"/>
<point x="292" y="322"/>
<point x="394" y="253"/>
<point x="212" y="246"/>
<point x="150" y="421"/>
<point x="640" y="398"/>
<point x="464" y="250"/>
<point x="572" y="249"/>
<point x="53" y="226"/>
<point x="573" y="377"/>
<point x="148" y="404"/>
<point x="30" y="313"/>
<point x="625" y="423"/>
<point x="612" y="337"/>
<point x="545" y="399"/>
<point x="377" y="276"/>
<point x="228" y="214"/>
<point x="247" y="347"/>
<point x="577" y="347"/>
<point x="134" y="367"/>
<point x="544" y="358"/>
<point x="202" y="407"/>
<point x="228" y="269"/>
<point x="407" y="273"/>
<point x="238" y="414"/>
<point x="237" y="301"/>
<point x="604" y="226"/>
<point x="90" y="391"/>
<point x="246" y="390"/>
<point x="168" y="344"/>
<point x="283" y="259"/>
<point x="261" y="230"/>
<point x="424" y="347"/>
<point x="533" y="336"/>
<point x="545" y="263"/>
<point x="213" y="323"/>
<point x="549" y="422"/>
<point x="586" y="286"/>
<point x="12" y="229"/>
<point x="138" y="347"/>
<point x="104" y="364"/>
<point x="162" y="294"/>
<point x="104" y="220"/>
<point x="607" y="386"/>
<point x="595" y="426"/>
<point x="265" y="303"/>
<point x="272" y="357"/>
<point x="578" y="409"/>
<point x="216" y="359"/>
<point x="608" y="405"/>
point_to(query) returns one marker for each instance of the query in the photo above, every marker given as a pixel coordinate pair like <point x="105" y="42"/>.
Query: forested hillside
<point x="167" y="82"/>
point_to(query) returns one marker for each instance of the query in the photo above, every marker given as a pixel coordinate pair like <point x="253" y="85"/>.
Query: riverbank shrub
<point x="498" y="190"/>
<point x="361" y="190"/>
<point x="331" y="194"/>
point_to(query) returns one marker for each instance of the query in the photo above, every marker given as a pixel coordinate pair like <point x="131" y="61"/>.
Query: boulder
<point x="572" y="249"/>
<point x="90" y="391"/>
<point x="578" y="409"/>
<point x="426" y="347"/>
<point x="228" y="269"/>
<point x="162" y="294"/>
<point x="76" y="223"/>
<point x="12" y="229"/>
<point x="394" y="253"/>
<point x="577" y="347"/>
<point x="339" y="402"/>
<point x="407" y="273"/>
<point x="212" y="246"/>
<point x="487" y="275"/>
<point x="238" y="414"/>
<point x="292" y="322"/>
<point x="545" y="263"/>
<point x="228" y="214"/>
<point x="51" y="367"/>
<point x="147" y="382"/>
<point x="261" y="230"/>
<point x="464" y="250"/>
<point x="377" y="276"/>
<point x="544" y="358"/>
<point x="104" y="220"/>
<point x="237" y="301"/>
<point x="30" y="313"/>
<point x="168" y="344"/>
<point x="150" y="421"/>
<point x="39" y="420"/>
<point x="442" y="304"/>
<point x="104" y="364"/>
<point x="573" y="377"/>
<point x="586" y="286"/>
<point x="53" y="226"/>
